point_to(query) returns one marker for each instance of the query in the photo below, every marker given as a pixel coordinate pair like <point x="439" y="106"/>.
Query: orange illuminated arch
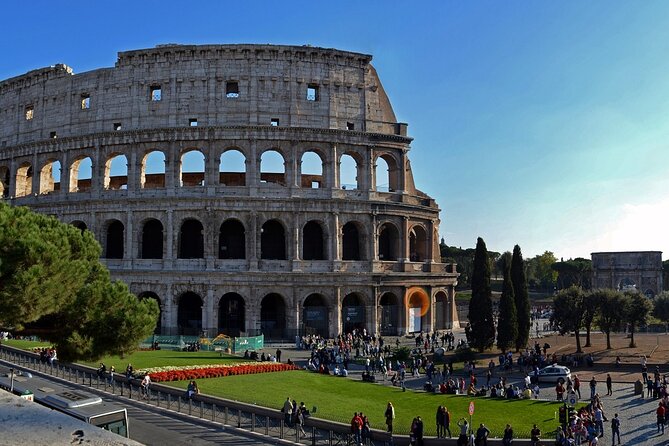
<point x="418" y="297"/>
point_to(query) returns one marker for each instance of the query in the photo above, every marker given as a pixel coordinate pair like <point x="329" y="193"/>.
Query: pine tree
<point x="521" y="295"/>
<point x="480" y="306"/>
<point x="507" y="324"/>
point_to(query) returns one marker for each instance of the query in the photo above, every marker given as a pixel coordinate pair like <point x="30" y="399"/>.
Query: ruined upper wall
<point x="272" y="83"/>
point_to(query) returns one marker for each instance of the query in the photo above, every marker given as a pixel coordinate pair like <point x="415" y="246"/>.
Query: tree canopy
<point x="611" y="311"/>
<point x="637" y="310"/>
<point x="53" y="284"/>
<point x="480" y="306"/>
<point x="507" y="323"/>
<point x="522" y="298"/>
<point x="573" y="272"/>
<point x="661" y="307"/>
<point x="568" y="313"/>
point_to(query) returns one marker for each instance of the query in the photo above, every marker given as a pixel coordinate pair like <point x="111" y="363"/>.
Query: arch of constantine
<point x="247" y="188"/>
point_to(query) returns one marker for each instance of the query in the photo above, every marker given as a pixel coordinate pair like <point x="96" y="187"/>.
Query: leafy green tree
<point x="661" y="308"/>
<point x="480" y="306"/>
<point x="507" y="323"/>
<point x="568" y="313"/>
<point x="522" y="298"/>
<point x="611" y="311"/>
<point x="545" y="274"/>
<point x="637" y="310"/>
<point x="573" y="272"/>
<point x="590" y="307"/>
<point x="53" y="284"/>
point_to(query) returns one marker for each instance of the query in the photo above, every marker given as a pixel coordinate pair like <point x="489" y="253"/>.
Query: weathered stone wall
<point x="638" y="270"/>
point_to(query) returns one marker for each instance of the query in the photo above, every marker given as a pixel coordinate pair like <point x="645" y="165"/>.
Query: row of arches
<point x="232" y="240"/>
<point x="233" y="169"/>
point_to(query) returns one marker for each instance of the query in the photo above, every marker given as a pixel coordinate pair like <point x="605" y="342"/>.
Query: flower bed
<point x="161" y="374"/>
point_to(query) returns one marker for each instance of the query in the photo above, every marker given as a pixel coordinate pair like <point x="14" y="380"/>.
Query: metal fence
<point x="252" y="418"/>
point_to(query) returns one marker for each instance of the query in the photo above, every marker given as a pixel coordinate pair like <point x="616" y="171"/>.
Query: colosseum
<point x="248" y="188"/>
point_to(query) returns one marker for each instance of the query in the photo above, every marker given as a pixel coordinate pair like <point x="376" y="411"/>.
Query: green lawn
<point x="26" y="345"/>
<point x="337" y="399"/>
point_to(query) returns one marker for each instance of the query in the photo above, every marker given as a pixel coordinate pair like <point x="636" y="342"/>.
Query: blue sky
<point x="540" y="123"/>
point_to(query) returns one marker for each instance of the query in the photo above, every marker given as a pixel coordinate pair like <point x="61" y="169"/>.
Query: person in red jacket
<point x="356" y="428"/>
<point x="661" y="411"/>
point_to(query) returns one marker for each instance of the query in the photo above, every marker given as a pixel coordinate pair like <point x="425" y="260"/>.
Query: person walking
<point x="390" y="416"/>
<point x="287" y="411"/>
<point x="615" y="430"/>
<point x="507" y="439"/>
<point x="609" y="385"/>
<point x="577" y="386"/>
<point x="599" y="421"/>
<point x="144" y="385"/>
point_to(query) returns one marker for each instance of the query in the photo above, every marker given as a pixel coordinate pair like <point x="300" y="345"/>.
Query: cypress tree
<point x="480" y="306"/>
<point x="519" y="281"/>
<point x="507" y="324"/>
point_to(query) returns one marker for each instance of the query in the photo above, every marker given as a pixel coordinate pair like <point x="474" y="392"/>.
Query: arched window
<point x="81" y="173"/>
<point x="191" y="240"/>
<point x="351" y="242"/>
<point x="114" y="241"/>
<point x="387" y="174"/>
<point x="49" y="180"/>
<point x="4" y="182"/>
<point x="273" y="241"/>
<point x="192" y="169"/>
<point x="352" y="313"/>
<point x="152" y="174"/>
<point x="311" y="171"/>
<point x="80" y="225"/>
<point x="154" y="296"/>
<point x="24" y="180"/>
<point x="388" y="242"/>
<point x="189" y="314"/>
<point x="232" y="168"/>
<point x="315" y="315"/>
<point x="272" y="168"/>
<point x="313" y="242"/>
<point x="116" y="173"/>
<point x="442" y="313"/>
<point x="231" y="315"/>
<point x="152" y="240"/>
<point x="348" y="172"/>
<point x="273" y="316"/>
<point x="417" y="244"/>
<point x="232" y="240"/>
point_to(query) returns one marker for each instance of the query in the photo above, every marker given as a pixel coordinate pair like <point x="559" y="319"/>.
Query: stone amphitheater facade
<point x="258" y="248"/>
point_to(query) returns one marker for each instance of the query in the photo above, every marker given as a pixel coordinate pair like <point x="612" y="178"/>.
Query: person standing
<point x="356" y="428"/>
<point x="507" y="440"/>
<point x="577" y="386"/>
<point x="482" y="435"/>
<point x="278" y="355"/>
<point x="615" y="430"/>
<point x="599" y="421"/>
<point x="593" y="388"/>
<point x="535" y="436"/>
<point x="609" y="384"/>
<point x="440" y="422"/>
<point x="644" y="368"/>
<point x="660" y="412"/>
<point x="287" y="411"/>
<point x="110" y="383"/>
<point x="145" y="384"/>
<point x="463" y="439"/>
<point x="418" y="432"/>
<point x="390" y="416"/>
<point x="447" y="422"/>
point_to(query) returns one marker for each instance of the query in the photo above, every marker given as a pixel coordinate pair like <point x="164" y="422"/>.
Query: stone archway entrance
<point x="231" y="315"/>
<point x="352" y="313"/>
<point x="390" y="312"/>
<point x="315" y="315"/>
<point x="189" y="317"/>
<point x="273" y="316"/>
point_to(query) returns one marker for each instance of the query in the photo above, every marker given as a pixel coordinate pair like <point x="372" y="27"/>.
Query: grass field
<point x="337" y="398"/>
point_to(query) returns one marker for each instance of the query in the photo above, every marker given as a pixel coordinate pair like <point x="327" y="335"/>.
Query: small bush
<point x="464" y="354"/>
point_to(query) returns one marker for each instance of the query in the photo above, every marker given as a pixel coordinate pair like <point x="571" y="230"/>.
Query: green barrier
<point x="252" y="343"/>
<point x="164" y="342"/>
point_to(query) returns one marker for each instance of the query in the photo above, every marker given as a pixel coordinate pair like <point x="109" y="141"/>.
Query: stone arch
<point x="418" y="305"/>
<point x="389" y="242"/>
<point x="273" y="167"/>
<point x="81" y="174"/>
<point x="442" y="311"/>
<point x="191" y="168"/>
<point x="349" y="171"/>
<point x="311" y="170"/>
<point x="152" y="295"/>
<point x="390" y="314"/>
<point x="232" y="168"/>
<point x="353" y="241"/>
<point x="386" y="173"/>
<point x="353" y="313"/>
<point x="232" y="240"/>
<point x="49" y="180"/>
<point x="315" y="313"/>
<point x="650" y="294"/>
<point x="4" y="182"/>
<point x="191" y="239"/>
<point x="273" y="316"/>
<point x="627" y="284"/>
<point x="114" y="239"/>
<point x="273" y="240"/>
<point x="313" y="241"/>
<point x="116" y="172"/>
<point x="151" y="243"/>
<point x="24" y="180"/>
<point x="232" y="315"/>
<point x="418" y="244"/>
<point x="189" y="314"/>
<point x="152" y="172"/>
<point x="80" y="225"/>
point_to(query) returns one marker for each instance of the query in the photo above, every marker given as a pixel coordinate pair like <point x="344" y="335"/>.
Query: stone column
<point x="208" y="313"/>
<point x="253" y="244"/>
<point x="171" y="168"/>
<point x="335" y="168"/>
<point x="404" y="241"/>
<point x="133" y="174"/>
<point x="169" y="239"/>
<point x="335" y="255"/>
<point x="128" y="252"/>
<point x="401" y="175"/>
<point x="64" y="175"/>
<point x="171" y="311"/>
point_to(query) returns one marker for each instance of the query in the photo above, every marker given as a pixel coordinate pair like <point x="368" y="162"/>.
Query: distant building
<point x="624" y="271"/>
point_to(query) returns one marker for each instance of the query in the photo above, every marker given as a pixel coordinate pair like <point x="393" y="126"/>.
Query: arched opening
<point x="81" y="173"/>
<point x="352" y="248"/>
<point x="311" y="171"/>
<point x="627" y="284"/>
<point x="232" y="168"/>
<point x="418" y="305"/>
<point x="313" y="242"/>
<point x="272" y="168"/>
<point x="348" y="172"/>
<point x="231" y="240"/>
<point x="417" y="244"/>
<point x="442" y="315"/>
<point x="315" y="315"/>
<point x="114" y="241"/>
<point x="390" y="311"/>
<point x="231" y="315"/>
<point x="189" y="317"/>
<point x="152" y="240"/>
<point x="152" y="173"/>
<point x="116" y="173"/>
<point x="352" y="313"/>
<point x="49" y="180"/>
<point x="80" y="225"/>
<point x="272" y="241"/>
<point x="273" y="316"/>
<point x="191" y="240"/>
<point x="388" y="242"/>
<point x="650" y="294"/>
<point x="152" y="295"/>
<point x="191" y="169"/>
<point x="4" y="182"/>
<point x="386" y="174"/>
<point x="24" y="180"/>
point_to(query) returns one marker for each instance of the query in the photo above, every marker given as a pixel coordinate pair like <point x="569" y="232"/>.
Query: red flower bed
<point x="216" y="372"/>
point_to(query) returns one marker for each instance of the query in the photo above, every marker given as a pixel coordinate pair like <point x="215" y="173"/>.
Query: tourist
<point x="463" y="439"/>
<point x="577" y="386"/>
<point x="660" y="412"/>
<point x="110" y="381"/>
<point x="356" y="428"/>
<point x="644" y="368"/>
<point x="593" y="388"/>
<point x="287" y="410"/>
<point x="418" y="431"/>
<point x="144" y="386"/>
<point x="482" y="436"/>
<point x="535" y="436"/>
<point x="599" y="421"/>
<point x="507" y="440"/>
<point x="609" y="385"/>
<point x="615" y="430"/>
<point x="299" y="420"/>
<point x="192" y="389"/>
<point x="128" y="372"/>
<point x="440" y="422"/>
<point x="447" y="422"/>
